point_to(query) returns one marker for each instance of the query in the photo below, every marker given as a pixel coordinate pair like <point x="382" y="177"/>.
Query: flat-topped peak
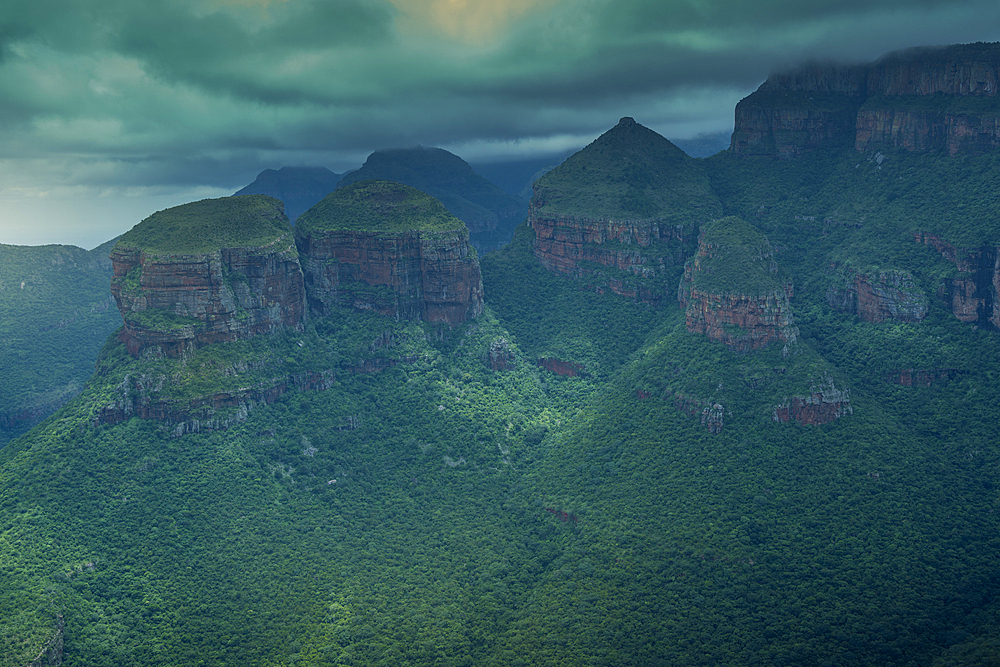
<point x="378" y="206"/>
<point x="245" y="221"/>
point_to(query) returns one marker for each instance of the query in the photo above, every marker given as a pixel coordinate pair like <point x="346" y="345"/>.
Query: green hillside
<point x="56" y="311"/>
<point x="380" y="207"/>
<point x="643" y="506"/>
<point x="629" y="173"/>
<point x="246" y="221"/>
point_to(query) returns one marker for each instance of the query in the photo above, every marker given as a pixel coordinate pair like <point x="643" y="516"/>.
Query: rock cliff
<point x="210" y="271"/>
<point x="732" y="290"/>
<point x="973" y="295"/>
<point x="823" y="404"/>
<point x="878" y="296"/>
<point x="921" y="99"/>
<point x="389" y="248"/>
<point x="622" y="212"/>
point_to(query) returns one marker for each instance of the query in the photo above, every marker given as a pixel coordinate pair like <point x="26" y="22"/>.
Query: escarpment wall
<point x="432" y="276"/>
<point x="576" y="246"/>
<point x="919" y="100"/>
<point x="181" y="302"/>
<point x="973" y="296"/>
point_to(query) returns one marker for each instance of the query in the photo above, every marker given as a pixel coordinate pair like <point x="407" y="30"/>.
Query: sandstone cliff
<point x="389" y="248"/>
<point x="823" y="404"/>
<point x="622" y="212"/>
<point x="921" y="99"/>
<point x="732" y="291"/>
<point x="210" y="271"/>
<point x="973" y="295"/>
<point x="878" y="296"/>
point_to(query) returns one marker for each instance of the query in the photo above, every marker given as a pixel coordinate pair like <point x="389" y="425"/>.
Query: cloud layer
<point x="112" y="99"/>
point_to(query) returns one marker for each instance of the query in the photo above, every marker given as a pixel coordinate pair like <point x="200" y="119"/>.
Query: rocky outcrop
<point x="642" y="249"/>
<point x="141" y="396"/>
<point x="622" y="214"/>
<point x="973" y="296"/>
<point x="823" y="404"/>
<point x="915" y="377"/>
<point x="710" y="413"/>
<point x="732" y="292"/>
<point x="921" y="99"/>
<point x="878" y="296"/>
<point x="500" y="356"/>
<point x="401" y="270"/>
<point x="431" y="276"/>
<point x="176" y="301"/>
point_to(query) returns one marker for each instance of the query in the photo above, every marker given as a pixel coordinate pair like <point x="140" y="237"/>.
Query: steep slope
<point x="489" y="212"/>
<point x="299" y="188"/>
<point x="942" y="99"/>
<point x="392" y="249"/>
<point x="215" y="270"/>
<point x="732" y="291"/>
<point x="55" y="312"/>
<point x="623" y="212"/>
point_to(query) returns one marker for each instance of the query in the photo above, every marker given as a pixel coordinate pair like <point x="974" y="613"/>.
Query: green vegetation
<point x="739" y="260"/>
<point x="426" y="509"/>
<point x="378" y="206"/>
<point x="247" y="221"/>
<point x="629" y="173"/>
<point x="56" y="311"/>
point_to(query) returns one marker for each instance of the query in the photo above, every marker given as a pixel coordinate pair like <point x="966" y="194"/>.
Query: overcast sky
<point x="113" y="109"/>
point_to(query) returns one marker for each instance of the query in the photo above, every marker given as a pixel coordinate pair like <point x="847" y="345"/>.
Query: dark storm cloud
<point x="117" y="94"/>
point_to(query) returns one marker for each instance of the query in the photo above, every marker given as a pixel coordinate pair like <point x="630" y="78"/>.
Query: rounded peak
<point x="241" y="221"/>
<point x="626" y="121"/>
<point x="378" y="206"/>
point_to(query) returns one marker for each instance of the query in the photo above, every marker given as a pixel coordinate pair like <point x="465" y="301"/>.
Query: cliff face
<point x="731" y="290"/>
<point x="622" y="212"/>
<point x="821" y="405"/>
<point x="432" y="276"/>
<point x="973" y="295"/>
<point x="412" y="260"/>
<point x="878" y="296"/>
<point x="572" y="246"/>
<point x="922" y="99"/>
<point x="176" y="300"/>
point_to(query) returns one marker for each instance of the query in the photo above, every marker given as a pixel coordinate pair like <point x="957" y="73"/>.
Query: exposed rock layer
<point x="878" y="296"/>
<point x="181" y="302"/>
<point x="432" y="276"/>
<point x="973" y="295"/>
<point x="927" y="99"/>
<point x="822" y="405"/>
<point x="746" y="316"/>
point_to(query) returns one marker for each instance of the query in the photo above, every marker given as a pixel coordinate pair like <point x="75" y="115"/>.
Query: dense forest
<point x="453" y="496"/>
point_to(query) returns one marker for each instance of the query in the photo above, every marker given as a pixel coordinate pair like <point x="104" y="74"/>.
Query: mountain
<point x="298" y="187"/>
<point x="769" y="439"/>
<point x="55" y="313"/>
<point x="489" y="212"/>
<point x="942" y="99"/>
<point x="622" y="212"/>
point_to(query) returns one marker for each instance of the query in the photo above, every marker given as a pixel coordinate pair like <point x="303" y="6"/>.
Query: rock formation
<point x="821" y="405"/>
<point x="973" y="295"/>
<point x="389" y="248"/>
<point x="921" y="99"/>
<point x="622" y="212"/>
<point x="878" y="296"/>
<point x="732" y="290"/>
<point x="210" y="271"/>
